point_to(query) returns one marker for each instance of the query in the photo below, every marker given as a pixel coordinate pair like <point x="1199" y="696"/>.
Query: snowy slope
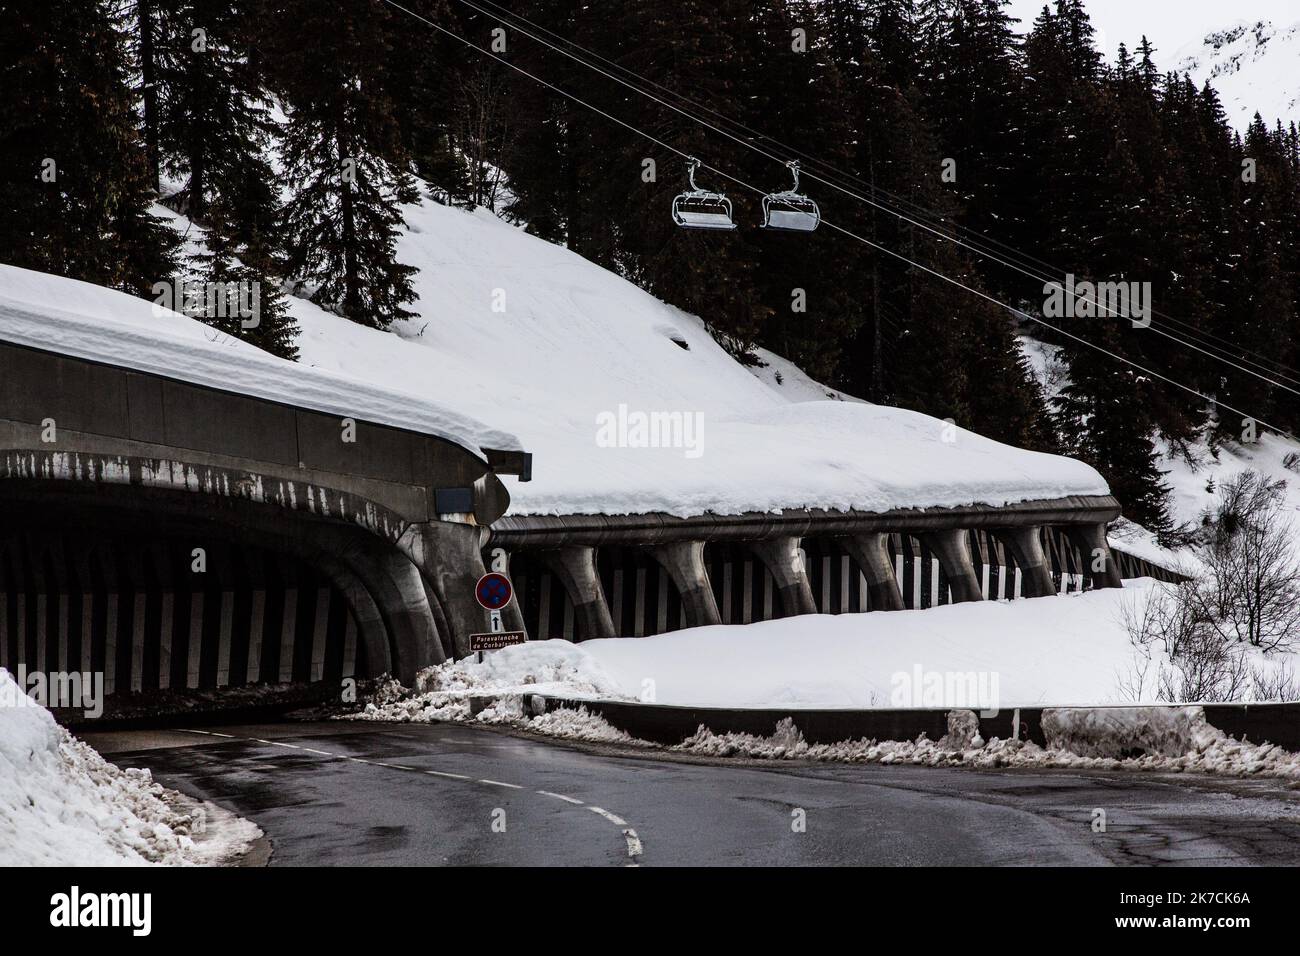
<point x="1254" y="66"/>
<point x="569" y="342"/>
<point x="76" y="318"/>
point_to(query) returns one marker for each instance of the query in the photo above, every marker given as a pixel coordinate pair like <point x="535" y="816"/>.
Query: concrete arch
<point x="382" y="587"/>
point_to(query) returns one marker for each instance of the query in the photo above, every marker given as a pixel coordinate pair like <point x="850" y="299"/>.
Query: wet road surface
<point x="353" y="793"/>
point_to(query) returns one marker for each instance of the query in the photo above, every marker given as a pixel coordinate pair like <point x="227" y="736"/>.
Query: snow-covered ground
<point x="1173" y="739"/>
<point x="62" y="804"/>
<point x="1071" y="650"/>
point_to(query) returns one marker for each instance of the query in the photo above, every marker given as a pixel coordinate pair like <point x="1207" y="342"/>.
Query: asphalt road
<point x="403" y="794"/>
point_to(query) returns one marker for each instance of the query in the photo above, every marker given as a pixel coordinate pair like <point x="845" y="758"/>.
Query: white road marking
<point x="498" y="783"/>
<point x="560" y="796"/>
<point x="633" y="843"/>
<point x="612" y="818"/>
<point x="323" y="753"/>
<point x="444" y="773"/>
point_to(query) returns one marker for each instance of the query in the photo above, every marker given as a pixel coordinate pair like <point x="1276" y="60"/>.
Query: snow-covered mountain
<point x="1254" y="66"/>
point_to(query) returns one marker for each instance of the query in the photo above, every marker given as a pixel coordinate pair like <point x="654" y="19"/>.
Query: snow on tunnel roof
<point x="535" y="339"/>
<point x="90" y="322"/>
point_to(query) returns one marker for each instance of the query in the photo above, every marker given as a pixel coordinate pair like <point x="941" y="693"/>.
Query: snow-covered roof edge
<point x="85" y="321"/>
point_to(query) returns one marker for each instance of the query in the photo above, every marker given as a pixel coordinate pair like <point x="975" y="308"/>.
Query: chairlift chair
<point x="791" y="211"/>
<point x="700" y="209"/>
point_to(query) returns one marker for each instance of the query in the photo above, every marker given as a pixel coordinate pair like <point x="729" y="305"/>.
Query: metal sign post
<point x="493" y="592"/>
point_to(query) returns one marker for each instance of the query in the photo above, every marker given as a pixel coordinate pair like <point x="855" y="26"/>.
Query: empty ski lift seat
<point x="701" y="209"/>
<point x="791" y="211"/>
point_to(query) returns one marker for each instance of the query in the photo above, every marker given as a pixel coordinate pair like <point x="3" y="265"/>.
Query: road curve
<point x="339" y="793"/>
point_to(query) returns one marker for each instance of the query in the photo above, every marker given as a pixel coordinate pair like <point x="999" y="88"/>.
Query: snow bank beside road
<point x="1208" y="749"/>
<point x="62" y="804"/>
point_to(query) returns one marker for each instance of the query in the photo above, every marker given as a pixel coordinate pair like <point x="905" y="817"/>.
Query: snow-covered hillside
<point x="538" y="341"/>
<point x="1254" y="66"/>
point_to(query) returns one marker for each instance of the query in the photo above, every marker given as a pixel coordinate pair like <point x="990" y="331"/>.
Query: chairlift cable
<point x="1200" y="336"/>
<point x="874" y="245"/>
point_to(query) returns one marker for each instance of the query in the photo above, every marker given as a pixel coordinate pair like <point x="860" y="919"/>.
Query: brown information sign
<point x="496" y="640"/>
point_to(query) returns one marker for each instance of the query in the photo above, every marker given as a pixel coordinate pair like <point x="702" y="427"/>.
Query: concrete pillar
<point x="395" y="583"/>
<point x="684" y="562"/>
<point x="371" y="629"/>
<point x="782" y="557"/>
<point x="870" y="550"/>
<point x="1027" y="548"/>
<point x="1090" y="539"/>
<point x="450" y="556"/>
<point x="575" y="566"/>
<point x="952" y="548"/>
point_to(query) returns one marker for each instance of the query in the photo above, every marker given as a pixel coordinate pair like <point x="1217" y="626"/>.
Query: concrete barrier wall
<point x="1273" y="723"/>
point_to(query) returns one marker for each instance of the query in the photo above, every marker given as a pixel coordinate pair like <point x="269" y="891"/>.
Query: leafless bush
<point x="1202" y="666"/>
<point x="1248" y="597"/>
<point x="1277" y="684"/>
<point x="1251" y="591"/>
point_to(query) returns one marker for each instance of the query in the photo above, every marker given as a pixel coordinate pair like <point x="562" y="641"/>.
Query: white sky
<point x="1169" y="24"/>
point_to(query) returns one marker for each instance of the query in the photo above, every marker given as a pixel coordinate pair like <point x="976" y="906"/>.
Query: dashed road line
<point x="498" y="783"/>
<point x="633" y="843"/>
<point x="444" y="773"/>
<point x="611" y="817"/>
<point x="559" y="796"/>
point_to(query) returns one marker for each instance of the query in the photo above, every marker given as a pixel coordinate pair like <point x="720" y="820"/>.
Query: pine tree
<point x="76" y="196"/>
<point x="343" y="160"/>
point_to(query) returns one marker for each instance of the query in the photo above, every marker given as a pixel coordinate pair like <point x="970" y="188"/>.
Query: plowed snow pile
<point x="62" y="804"/>
<point x="1104" y="737"/>
<point x="445" y="691"/>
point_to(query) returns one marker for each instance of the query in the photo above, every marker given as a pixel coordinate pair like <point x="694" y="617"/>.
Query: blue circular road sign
<point x="493" y="591"/>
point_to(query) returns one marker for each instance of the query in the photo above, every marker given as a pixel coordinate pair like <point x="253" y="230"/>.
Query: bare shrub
<point x="1251" y="591"/>
<point x="1278" y="684"/>
<point x="1248" y="597"/>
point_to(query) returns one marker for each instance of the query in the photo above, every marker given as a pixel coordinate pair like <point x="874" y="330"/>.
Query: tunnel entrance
<point x="157" y="607"/>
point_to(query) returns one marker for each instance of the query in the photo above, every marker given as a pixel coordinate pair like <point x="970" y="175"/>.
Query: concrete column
<point x="575" y="566"/>
<point x="394" y="581"/>
<point x="871" y="551"/>
<point x="1027" y="548"/>
<point x="450" y="557"/>
<point x="781" y="557"/>
<point x="1090" y="539"/>
<point x="952" y="548"/>
<point x="512" y="615"/>
<point x="684" y="562"/>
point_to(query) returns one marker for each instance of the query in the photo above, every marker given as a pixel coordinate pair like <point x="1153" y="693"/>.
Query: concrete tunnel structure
<point x="325" y="558"/>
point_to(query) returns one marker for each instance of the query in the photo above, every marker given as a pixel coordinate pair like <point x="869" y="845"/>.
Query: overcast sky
<point x="1168" y="23"/>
